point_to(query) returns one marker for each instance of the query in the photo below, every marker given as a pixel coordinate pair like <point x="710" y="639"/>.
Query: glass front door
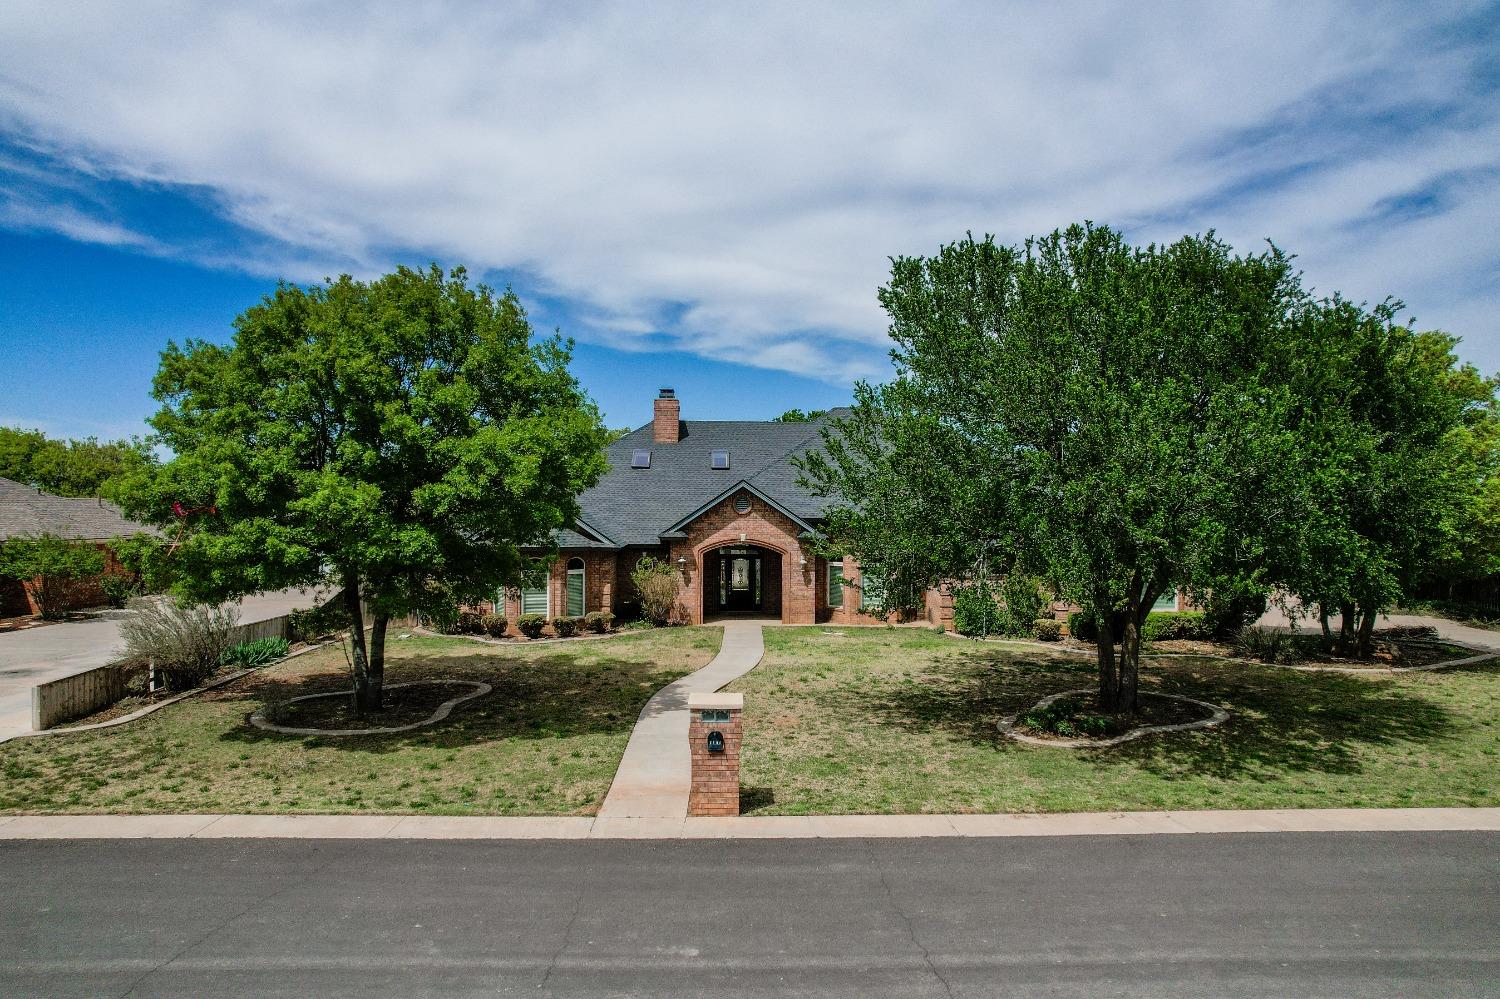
<point x="740" y="582"/>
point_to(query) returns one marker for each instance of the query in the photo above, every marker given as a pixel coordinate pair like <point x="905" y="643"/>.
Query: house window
<point x="640" y="458"/>
<point x="718" y="459"/>
<point x="836" y="584"/>
<point x="535" y="600"/>
<point x="1166" y="602"/>
<point x="871" y="593"/>
<point x="575" y="587"/>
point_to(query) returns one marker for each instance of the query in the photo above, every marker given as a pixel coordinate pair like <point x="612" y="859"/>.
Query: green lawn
<point x="841" y="721"/>
<point x="545" y="741"/>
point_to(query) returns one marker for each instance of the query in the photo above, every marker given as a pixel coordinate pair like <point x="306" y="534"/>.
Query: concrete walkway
<point x="652" y="782"/>
<point x="1276" y="820"/>
<point x="50" y="652"/>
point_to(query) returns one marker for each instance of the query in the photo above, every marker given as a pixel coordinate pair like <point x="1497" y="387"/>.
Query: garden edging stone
<point x="1007" y="725"/>
<point x="259" y="719"/>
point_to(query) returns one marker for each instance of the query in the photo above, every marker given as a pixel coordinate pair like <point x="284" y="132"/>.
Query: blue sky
<point x="706" y="198"/>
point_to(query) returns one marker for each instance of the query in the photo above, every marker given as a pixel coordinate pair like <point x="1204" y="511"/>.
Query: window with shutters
<point x="836" y="584"/>
<point x="575" y="587"/>
<point x="534" y="600"/>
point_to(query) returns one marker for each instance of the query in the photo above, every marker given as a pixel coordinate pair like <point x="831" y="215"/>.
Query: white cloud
<point x="735" y="178"/>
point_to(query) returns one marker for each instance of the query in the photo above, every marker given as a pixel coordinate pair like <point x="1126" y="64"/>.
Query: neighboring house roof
<point x="636" y="506"/>
<point x="27" y="512"/>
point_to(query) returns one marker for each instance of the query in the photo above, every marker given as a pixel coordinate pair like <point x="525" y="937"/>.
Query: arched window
<point x="575" y="587"/>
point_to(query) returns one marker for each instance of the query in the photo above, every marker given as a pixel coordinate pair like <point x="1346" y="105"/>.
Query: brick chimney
<point x="666" y="427"/>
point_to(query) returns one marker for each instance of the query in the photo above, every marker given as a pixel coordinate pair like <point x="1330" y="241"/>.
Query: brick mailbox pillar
<point x="714" y="736"/>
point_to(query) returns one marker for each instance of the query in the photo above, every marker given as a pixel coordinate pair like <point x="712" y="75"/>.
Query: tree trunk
<point x="1346" y="629"/>
<point x="1365" y="634"/>
<point x="1327" y="631"/>
<point x="1130" y="664"/>
<point x="367" y="683"/>
<point x="1109" y="674"/>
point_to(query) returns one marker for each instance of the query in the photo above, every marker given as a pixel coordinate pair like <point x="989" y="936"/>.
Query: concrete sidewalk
<point x="654" y="774"/>
<point x="1283" y="820"/>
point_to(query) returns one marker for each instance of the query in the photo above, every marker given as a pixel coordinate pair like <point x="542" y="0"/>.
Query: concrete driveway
<point x="37" y="655"/>
<point x="1450" y="630"/>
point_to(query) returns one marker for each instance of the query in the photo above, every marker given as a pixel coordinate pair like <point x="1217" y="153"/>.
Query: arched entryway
<point x="743" y="579"/>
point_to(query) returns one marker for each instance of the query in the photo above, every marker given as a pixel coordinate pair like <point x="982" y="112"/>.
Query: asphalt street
<point x="1337" y="914"/>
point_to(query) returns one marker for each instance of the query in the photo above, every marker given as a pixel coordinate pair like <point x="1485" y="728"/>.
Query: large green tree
<point x="84" y="467"/>
<point x="1113" y="419"/>
<point x="1400" y="438"/>
<point x="402" y="438"/>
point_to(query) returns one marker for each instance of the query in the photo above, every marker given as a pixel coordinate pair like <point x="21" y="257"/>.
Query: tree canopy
<point x="404" y="437"/>
<point x="84" y="467"/>
<point x="46" y="565"/>
<point x="1104" y="416"/>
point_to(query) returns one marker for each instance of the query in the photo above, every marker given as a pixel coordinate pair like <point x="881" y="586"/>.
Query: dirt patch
<point x="336" y="712"/>
<point x="1079" y="716"/>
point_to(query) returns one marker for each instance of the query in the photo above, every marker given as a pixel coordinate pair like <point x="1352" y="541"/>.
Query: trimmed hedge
<point x="598" y="621"/>
<point x="470" y="622"/>
<point x="494" y="625"/>
<point x="1166" y="626"/>
<point x="565" y="627"/>
<point x="1045" y="629"/>
<point x="531" y="625"/>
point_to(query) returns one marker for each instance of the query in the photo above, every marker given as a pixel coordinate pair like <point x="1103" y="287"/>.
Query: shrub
<point x="318" y="622"/>
<point x="598" y="621"/>
<point x="1044" y="629"/>
<point x="531" y="625"/>
<point x="656" y="582"/>
<point x="47" y="567"/>
<point x="185" y="644"/>
<point x="118" y="589"/>
<point x="975" y="611"/>
<point x="1267" y="645"/>
<point x="494" y="625"/>
<point x="1023" y="603"/>
<point x="1168" y="625"/>
<point x="565" y="627"/>
<point x="1225" y="615"/>
<point x="470" y="622"/>
<point x="1081" y="626"/>
<point x="247" y="655"/>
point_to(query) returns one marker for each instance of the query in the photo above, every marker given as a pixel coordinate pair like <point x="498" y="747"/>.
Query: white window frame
<point x="828" y="587"/>
<point x="546" y="589"/>
<point x="583" y="578"/>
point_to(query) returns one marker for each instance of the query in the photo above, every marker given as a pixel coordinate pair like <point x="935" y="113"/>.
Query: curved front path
<point x="654" y="774"/>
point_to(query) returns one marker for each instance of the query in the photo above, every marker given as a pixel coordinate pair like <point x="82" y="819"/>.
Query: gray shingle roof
<point x="26" y="512"/>
<point x="634" y="506"/>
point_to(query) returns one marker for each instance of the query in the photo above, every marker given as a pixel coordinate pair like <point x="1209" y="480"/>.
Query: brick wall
<point x="763" y="525"/>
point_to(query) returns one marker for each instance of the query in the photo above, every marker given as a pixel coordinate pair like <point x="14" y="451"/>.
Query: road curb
<point x="541" y="827"/>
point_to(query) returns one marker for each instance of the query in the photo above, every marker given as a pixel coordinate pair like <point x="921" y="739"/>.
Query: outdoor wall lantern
<point x="716" y="741"/>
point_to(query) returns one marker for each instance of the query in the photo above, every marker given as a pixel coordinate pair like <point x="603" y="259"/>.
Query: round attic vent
<point x="742" y="504"/>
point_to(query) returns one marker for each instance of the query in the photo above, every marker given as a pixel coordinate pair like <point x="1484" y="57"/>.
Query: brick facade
<point x="715" y="787"/>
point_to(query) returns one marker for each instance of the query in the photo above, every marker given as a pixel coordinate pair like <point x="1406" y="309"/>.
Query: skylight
<point x="718" y="459"/>
<point x="640" y="458"/>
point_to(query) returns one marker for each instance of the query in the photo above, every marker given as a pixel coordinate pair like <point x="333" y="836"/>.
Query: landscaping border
<point x="259" y="719"/>
<point x="1007" y="725"/>
<point x="508" y="642"/>
<point x="222" y="681"/>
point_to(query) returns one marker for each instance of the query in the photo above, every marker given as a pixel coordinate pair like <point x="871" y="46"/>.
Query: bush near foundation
<point x="1162" y="627"/>
<point x="598" y="621"/>
<point x="531" y="625"/>
<point x="494" y="625"/>
<point x="1047" y="630"/>
<point x="470" y="622"/>
<point x="565" y="627"/>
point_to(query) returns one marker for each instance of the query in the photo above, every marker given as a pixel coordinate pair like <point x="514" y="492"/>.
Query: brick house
<point x="719" y="501"/>
<point x="27" y="512"/>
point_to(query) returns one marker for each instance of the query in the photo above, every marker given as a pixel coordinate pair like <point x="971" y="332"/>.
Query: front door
<point x="743" y="583"/>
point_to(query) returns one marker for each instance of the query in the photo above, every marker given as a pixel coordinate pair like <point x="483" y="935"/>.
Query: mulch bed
<point x="403" y="706"/>
<point x="1079" y="717"/>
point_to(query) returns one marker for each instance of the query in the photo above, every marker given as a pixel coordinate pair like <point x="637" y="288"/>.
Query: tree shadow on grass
<point x="1280" y="720"/>
<point x="548" y="697"/>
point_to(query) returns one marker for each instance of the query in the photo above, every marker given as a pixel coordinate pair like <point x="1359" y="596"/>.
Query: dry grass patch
<point x="903" y="721"/>
<point x="545" y="741"/>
